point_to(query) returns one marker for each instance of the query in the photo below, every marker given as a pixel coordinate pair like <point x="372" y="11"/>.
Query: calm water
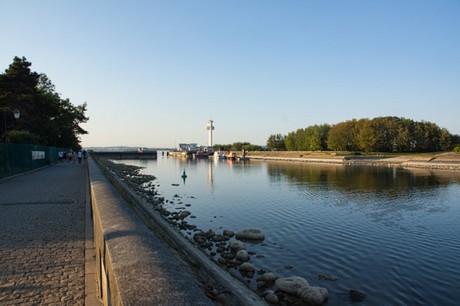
<point x="390" y="233"/>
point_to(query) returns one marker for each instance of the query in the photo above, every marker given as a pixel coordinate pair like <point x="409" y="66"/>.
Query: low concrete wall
<point x="135" y="267"/>
<point x="432" y="165"/>
<point x="297" y="156"/>
<point x="441" y="162"/>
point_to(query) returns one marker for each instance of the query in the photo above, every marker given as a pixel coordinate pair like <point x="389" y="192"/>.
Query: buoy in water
<point x="184" y="175"/>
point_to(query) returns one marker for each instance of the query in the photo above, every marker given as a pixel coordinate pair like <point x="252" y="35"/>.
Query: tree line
<point x="381" y="134"/>
<point x="45" y="118"/>
<point x="237" y="146"/>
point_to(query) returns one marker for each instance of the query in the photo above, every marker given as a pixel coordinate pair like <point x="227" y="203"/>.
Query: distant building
<point x="189" y="147"/>
<point x="210" y="128"/>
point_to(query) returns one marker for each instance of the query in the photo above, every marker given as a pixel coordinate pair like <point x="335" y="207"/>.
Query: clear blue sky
<point x="154" y="72"/>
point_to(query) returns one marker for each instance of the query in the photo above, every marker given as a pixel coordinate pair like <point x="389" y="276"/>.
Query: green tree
<point x="17" y="91"/>
<point x="276" y="142"/>
<point x="295" y="141"/>
<point x="222" y="147"/>
<point x="445" y="141"/>
<point x="367" y="136"/>
<point x="251" y="147"/>
<point x="455" y="140"/>
<point x="20" y="136"/>
<point x="380" y="134"/>
<point x="49" y="119"/>
<point x="404" y="135"/>
<point x="237" y="146"/>
<point x="290" y="141"/>
<point x="343" y="136"/>
<point x="312" y="138"/>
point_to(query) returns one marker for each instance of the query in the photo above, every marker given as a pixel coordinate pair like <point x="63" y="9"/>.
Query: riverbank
<point x="438" y="161"/>
<point x="359" y="203"/>
<point x="138" y="191"/>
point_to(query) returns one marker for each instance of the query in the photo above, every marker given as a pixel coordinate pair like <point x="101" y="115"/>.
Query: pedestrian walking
<point x="80" y="155"/>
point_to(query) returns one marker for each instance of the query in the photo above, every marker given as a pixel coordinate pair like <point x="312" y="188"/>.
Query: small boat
<point x="201" y="154"/>
<point x="219" y="155"/>
<point x="231" y="155"/>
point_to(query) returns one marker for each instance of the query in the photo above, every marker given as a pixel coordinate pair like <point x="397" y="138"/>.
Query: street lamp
<point x="16" y="113"/>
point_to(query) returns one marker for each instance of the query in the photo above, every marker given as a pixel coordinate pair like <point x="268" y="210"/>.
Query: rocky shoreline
<point x="227" y="248"/>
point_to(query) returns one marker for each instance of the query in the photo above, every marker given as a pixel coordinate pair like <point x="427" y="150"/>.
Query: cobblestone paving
<point x="42" y="237"/>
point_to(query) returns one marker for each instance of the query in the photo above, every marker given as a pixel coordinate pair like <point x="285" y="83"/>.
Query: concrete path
<point x="42" y="238"/>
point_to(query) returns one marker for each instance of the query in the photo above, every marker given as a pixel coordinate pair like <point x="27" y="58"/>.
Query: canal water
<point x="392" y="234"/>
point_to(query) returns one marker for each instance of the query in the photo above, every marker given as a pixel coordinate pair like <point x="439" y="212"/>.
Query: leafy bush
<point x="457" y="149"/>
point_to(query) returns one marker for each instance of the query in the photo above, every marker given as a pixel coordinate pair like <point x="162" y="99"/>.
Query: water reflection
<point x="195" y="166"/>
<point x="389" y="196"/>
<point x="386" y="231"/>
<point x="380" y="181"/>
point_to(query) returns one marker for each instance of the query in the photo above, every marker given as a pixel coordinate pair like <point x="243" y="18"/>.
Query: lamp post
<point x="16" y="115"/>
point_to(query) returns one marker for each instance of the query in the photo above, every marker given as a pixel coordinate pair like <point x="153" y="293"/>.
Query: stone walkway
<point x="42" y="237"/>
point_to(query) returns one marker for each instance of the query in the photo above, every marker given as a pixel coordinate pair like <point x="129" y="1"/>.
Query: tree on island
<point x="381" y="134"/>
<point x="46" y="118"/>
<point x="237" y="146"/>
<point x="276" y="142"/>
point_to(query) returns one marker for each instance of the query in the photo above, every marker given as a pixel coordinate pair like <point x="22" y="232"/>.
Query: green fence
<point x="18" y="158"/>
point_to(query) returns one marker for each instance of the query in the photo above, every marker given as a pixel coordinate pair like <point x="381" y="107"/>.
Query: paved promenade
<point x="42" y="237"/>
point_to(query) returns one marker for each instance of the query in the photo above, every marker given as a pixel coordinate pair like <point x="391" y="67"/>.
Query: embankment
<point x="141" y="260"/>
<point x="441" y="161"/>
<point x="298" y="156"/>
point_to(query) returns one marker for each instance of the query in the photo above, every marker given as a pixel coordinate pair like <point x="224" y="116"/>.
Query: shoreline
<point x="442" y="161"/>
<point x="336" y="160"/>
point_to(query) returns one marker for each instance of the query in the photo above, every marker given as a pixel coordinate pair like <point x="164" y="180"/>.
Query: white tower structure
<point x="210" y="127"/>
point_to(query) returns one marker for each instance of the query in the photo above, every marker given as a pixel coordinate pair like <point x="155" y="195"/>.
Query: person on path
<point x="69" y="157"/>
<point x="80" y="155"/>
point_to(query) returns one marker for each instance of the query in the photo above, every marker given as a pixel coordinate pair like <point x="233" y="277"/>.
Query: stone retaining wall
<point x="136" y="267"/>
<point x="431" y="165"/>
<point x="320" y="157"/>
<point x="133" y="267"/>
<point x="297" y="156"/>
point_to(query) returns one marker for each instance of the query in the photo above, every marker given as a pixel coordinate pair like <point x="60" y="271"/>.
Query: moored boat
<point x="201" y="154"/>
<point x="219" y="155"/>
<point x="231" y="155"/>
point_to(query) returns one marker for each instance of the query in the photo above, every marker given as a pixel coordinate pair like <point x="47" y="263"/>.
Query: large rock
<point x="228" y="233"/>
<point x="291" y="284"/>
<point x="268" y="277"/>
<point x="313" y="295"/>
<point x="242" y="255"/>
<point x="218" y="238"/>
<point x="247" y="269"/>
<point x="184" y="214"/>
<point x="250" y="234"/>
<point x="271" y="297"/>
<point x="236" y="245"/>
